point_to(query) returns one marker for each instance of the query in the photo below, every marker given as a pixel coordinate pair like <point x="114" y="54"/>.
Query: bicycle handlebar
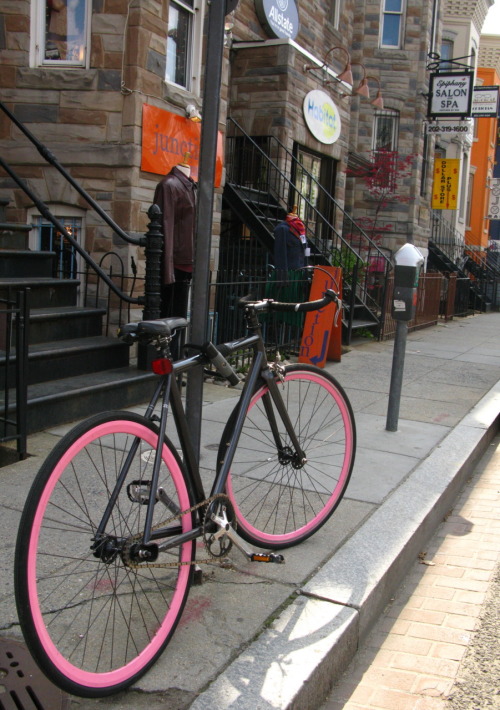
<point x="269" y="305"/>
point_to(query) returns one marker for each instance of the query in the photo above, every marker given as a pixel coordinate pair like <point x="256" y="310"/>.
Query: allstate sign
<point x="280" y="18"/>
<point x="322" y="116"/>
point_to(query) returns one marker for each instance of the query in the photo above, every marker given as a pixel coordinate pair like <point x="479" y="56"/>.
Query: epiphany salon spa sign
<point x="450" y="94"/>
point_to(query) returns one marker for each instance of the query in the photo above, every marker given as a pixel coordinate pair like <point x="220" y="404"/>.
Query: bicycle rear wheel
<point x="96" y="624"/>
<point x="279" y="501"/>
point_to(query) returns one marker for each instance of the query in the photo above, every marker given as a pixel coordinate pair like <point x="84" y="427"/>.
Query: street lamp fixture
<point x="378" y="101"/>
<point x="345" y="74"/>
<point x="362" y="89"/>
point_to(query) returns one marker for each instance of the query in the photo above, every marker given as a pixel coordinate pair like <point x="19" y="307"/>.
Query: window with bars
<point x="385" y="144"/>
<point x="385" y="131"/>
<point x="48" y="238"/>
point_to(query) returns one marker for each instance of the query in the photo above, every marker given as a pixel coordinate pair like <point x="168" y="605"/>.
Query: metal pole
<point x="206" y="177"/>
<point x="398" y="363"/>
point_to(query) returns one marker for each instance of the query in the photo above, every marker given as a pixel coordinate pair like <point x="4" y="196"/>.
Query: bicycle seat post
<point x="164" y="367"/>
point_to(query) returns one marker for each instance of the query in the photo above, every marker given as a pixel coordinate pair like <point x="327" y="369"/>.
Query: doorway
<point x="314" y="179"/>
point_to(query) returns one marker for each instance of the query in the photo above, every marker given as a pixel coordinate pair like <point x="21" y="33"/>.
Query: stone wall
<point x="89" y="118"/>
<point x="404" y="82"/>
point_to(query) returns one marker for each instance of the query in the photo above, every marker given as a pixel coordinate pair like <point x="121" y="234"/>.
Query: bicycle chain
<point x="126" y="556"/>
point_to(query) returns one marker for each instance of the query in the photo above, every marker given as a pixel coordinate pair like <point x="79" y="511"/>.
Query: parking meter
<point x="408" y="261"/>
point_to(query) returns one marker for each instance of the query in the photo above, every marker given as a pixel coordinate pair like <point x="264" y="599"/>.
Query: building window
<point x="184" y="42"/>
<point x="468" y="212"/>
<point x="385" y="144"/>
<point x="425" y="165"/>
<point x="385" y="130"/>
<point x="47" y="238"/>
<point x="60" y="32"/>
<point x="335" y="12"/>
<point x="464" y="185"/>
<point x="391" y="26"/>
<point x="447" y="48"/>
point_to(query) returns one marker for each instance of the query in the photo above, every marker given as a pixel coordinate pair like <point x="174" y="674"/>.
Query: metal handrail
<point x="45" y="212"/>
<point x="324" y="191"/>
<point x="277" y="184"/>
<point x="50" y="158"/>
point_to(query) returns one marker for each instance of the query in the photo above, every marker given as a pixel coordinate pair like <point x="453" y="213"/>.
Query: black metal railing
<point x="14" y="327"/>
<point x="96" y="293"/>
<point x="152" y="241"/>
<point x="448" y="239"/>
<point x="484" y="275"/>
<point x="282" y="331"/>
<point x="265" y="173"/>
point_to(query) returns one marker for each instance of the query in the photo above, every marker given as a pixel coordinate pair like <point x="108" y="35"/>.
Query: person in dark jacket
<point x="289" y="245"/>
<point x="175" y="195"/>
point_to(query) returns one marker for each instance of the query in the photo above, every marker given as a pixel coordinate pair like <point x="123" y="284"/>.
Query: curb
<point x="294" y="662"/>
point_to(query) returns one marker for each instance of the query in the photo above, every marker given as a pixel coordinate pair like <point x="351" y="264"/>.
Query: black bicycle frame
<point x="169" y="392"/>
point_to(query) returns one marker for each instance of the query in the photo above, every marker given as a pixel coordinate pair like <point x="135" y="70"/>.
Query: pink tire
<point x="94" y="624"/>
<point x="278" y="500"/>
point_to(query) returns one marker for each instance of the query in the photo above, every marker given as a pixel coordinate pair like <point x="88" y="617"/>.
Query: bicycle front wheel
<point x="93" y="622"/>
<point x="278" y="500"/>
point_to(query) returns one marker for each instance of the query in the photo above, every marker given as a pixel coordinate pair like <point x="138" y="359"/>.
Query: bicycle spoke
<point x="279" y="499"/>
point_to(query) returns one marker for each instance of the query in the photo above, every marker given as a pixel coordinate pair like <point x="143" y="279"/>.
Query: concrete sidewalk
<point x="266" y="636"/>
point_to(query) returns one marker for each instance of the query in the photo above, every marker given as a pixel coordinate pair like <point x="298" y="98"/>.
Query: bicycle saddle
<point x="162" y="327"/>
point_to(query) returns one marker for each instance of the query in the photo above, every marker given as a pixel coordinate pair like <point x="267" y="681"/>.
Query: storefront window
<point x="61" y="37"/>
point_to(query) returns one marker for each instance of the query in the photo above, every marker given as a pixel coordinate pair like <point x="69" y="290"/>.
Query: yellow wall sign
<point x="445" y="186"/>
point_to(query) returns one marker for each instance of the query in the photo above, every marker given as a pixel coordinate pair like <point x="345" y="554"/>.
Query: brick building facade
<point x="88" y="108"/>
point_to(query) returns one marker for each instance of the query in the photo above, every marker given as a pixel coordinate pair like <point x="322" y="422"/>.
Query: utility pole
<point x="205" y="204"/>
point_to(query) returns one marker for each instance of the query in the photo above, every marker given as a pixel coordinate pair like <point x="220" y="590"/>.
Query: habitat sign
<point x="280" y="18"/>
<point x="322" y="116"/>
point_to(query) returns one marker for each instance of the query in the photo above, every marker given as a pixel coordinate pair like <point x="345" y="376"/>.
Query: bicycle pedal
<point x="267" y="557"/>
<point x="197" y="576"/>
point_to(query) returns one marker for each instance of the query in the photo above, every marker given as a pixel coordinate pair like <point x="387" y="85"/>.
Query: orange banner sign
<point x="167" y="137"/>
<point x="445" y="186"/>
<point x="321" y="339"/>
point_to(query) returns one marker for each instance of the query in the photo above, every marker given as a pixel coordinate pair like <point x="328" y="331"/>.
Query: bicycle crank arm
<point x="226" y="529"/>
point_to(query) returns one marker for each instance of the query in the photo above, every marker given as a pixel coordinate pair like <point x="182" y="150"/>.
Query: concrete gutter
<point x="293" y="662"/>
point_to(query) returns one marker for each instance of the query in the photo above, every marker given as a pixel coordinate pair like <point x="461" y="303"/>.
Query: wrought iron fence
<point x="462" y="297"/>
<point x="265" y="171"/>
<point x="14" y="327"/>
<point x="282" y="331"/>
<point x="429" y="295"/>
<point x="97" y="293"/>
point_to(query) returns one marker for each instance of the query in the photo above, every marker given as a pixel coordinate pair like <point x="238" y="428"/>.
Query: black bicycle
<point x="106" y="544"/>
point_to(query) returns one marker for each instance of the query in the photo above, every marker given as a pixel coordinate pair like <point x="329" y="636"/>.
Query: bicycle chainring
<point x="216" y="542"/>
